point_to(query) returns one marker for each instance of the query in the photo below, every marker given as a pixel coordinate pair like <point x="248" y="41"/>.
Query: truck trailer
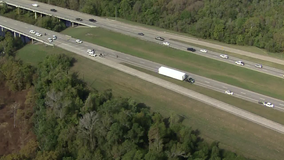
<point x="175" y="74"/>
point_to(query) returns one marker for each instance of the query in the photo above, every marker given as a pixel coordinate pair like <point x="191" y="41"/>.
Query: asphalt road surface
<point x="64" y="40"/>
<point x="149" y="35"/>
<point x="69" y="43"/>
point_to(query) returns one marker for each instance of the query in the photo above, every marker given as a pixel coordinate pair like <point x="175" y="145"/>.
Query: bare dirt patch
<point x="13" y="137"/>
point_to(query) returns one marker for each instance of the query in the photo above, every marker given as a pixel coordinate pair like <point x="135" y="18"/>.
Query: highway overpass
<point x="70" y="15"/>
<point x="68" y="43"/>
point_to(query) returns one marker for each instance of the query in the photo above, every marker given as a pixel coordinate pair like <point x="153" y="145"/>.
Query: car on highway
<point x="89" y="50"/>
<point x="160" y="38"/>
<point x="267" y="104"/>
<point x="32" y="32"/>
<point x="38" y="34"/>
<point x="203" y="50"/>
<point x="79" y="41"/>
<point x="92" y="20"/>
<point x="54" y="37"/>
<point x="92" y="53"/>
<point x="166" y="43"/>
<point x="141" y="34"/>
<point x="258" y="65"/>
<point x="241" y="63"/>
<point x="35" y="5"/>
<point x="79" y="19"/>
<point x="50" y="39"/>
<point x="224" y="56"/>
<point x="229" y="92"/>
<point x="53" y="10"/>
<point x="191" y="49"/>
<point x="191" y="80"/>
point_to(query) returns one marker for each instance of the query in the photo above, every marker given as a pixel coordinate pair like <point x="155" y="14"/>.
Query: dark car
<point x="79" y="19"/>
<point x="141" y="34"/>
<point x="191" y="49"/>
<point x="53" y="10"/>
<point x="160" y="38"/>
<point x="190" y="80"/>
<point x="92" y="20"/>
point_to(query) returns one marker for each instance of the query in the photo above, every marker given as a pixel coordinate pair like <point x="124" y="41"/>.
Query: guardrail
<point x="37" y="11"/>
<point x="21" y="33"/>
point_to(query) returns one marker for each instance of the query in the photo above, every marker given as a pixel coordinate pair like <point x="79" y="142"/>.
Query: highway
<point x="65" y="40"/>
<point x="150" y="35"/>
<point x="110" y="58"/>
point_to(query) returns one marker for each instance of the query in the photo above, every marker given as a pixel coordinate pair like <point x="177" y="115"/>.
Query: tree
<point x="87" y="126"/>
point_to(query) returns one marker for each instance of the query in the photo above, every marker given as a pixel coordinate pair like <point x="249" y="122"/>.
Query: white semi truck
<point x="175" y="74"/>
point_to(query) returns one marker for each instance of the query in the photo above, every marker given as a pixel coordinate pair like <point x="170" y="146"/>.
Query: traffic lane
<point x="230" y="60"/>
<point x="245" y="93"/>
<point x="119" y="53"/>
<point x="222" y="87"/>
<point x="135" y="31"/>
<point x="25" y="28"/>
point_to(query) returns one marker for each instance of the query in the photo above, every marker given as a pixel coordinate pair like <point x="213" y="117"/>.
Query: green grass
<point x="220" y="71"/>
<point x="244" y="48"/>
<point x="265" y="112"/>
<point x="234" y="133"/>
<point x="267" y="63"/>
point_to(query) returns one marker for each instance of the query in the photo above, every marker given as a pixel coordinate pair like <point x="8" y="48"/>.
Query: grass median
<point x="234" y="133"/>
<point x="251" y="49"/>
<point x="220" y="71"/>
<point x="271" y="64"/>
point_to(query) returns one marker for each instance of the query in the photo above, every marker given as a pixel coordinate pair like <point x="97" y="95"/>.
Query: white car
<point x="54" y="37"/>
<point x="37" y="34"/>
<point x="240" y="63"/>
<point x="79" y="41"/>
<point x="166" y="43"/>
<point x="92" y="54"/>
<point x="268" y="104"/>
<point x="50" y="39"/>
<point x="203" y="50"/>
<point x="32" y="32"/>
<point x="224" y="56"/>
<point x="229" y="92"/>
<point x="35" y="5"/>
<point x="258" y="65"/>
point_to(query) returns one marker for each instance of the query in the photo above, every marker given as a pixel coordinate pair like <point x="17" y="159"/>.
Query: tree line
<point x="47" y="22"/>
<point x="73" y="122"/>
<point x="244" y="22"/>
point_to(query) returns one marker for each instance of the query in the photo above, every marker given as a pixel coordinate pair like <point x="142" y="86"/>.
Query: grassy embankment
<point x="234" y="133"/>
<point x="220" y="71"/>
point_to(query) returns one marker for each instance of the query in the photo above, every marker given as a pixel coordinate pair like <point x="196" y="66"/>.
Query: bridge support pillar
<point x="32" y="41"/>
<point x="72" y="24"/>
<point x="19" y="35"/>
<point x="40" y="15"/>
<point x="15" y="34"/>
<point x="2" y="29"/>
<point x="35" y="15"/>
<point x="18" y="10"/>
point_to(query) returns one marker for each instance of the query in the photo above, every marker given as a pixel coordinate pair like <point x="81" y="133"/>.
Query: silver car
<point x="258" y="65"/>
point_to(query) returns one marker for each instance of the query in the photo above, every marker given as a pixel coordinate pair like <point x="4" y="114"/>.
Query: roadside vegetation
<point x="74" y="122"/>
<point x="233" y="133"/>
<point x="47" y="22"/>
<point x="220" y="71"/>
<point x="244" y="78"/>
<point x="252" y="23"/>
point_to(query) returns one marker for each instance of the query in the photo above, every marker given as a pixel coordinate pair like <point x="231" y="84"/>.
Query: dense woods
<point x="243" y="22"/>
<point x="72" y="122"/>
